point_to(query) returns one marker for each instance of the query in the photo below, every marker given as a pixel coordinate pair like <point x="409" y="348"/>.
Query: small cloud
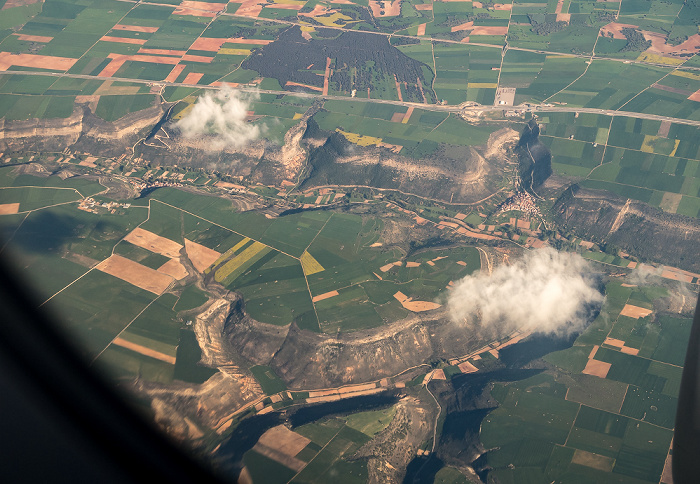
<point x="546" y="291"/>
<point x="220" y="117"/>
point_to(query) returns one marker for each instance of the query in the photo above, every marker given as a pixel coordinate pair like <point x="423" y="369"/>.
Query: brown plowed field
<point x="134" y="273"/>
<point x="8" y="59"/>
<point x="482" y="30"/>
<point x="177" y="70"/>
<point x="284" y="440"/>
<point x="193" y="78"/>
<point x="174" y="269"/>
<point x="635" y="312"/>
<point x="9" y="208"/>
<point x="34" y="38"/>
<point x="144" y="350"/>
<point x="201" y="257"/>
<point x="161" y="52"/>
<point x="597" y="368"/>
<point x="154" y="243"/>
<point x="209" y="45"/>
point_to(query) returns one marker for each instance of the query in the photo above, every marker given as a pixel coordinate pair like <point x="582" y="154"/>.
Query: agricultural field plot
<point x="148" y="347"/>
<point x="634" y="87"/>
<point x="328" y="445"/>
<point x="354" y="282"/>
<point x="274" y="282"/>
<point x="651" y="161"/>
<point x="16" y="107"/>
<point x="315" y="462"/>
<point x="35" y="198"/>
<point x="465" y="69"/>
<point x="54" y="246"/>
<point x="268" y="380"/>
<point x="622" y="421"/>
<point x="556" y="73"/>
<point x="96" y="308"/>
<point x="416" y="134"/>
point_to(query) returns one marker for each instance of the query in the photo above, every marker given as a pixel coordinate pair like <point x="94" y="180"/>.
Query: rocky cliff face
<point x="82" y="131"/>
<point x="307" y="360"/>
<point x="637" y="228"/>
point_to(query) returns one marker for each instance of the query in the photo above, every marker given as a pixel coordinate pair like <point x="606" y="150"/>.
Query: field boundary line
<point x="317" y="454"/>
<point x="67" y="286"/>
<point x="656" y="82"/>
<point x="9" y="239"/>
<point x="223" y="227"/>
<point x="129" y="324"/>
<point x="306" y="279"/>
<point x="573" y="424"/>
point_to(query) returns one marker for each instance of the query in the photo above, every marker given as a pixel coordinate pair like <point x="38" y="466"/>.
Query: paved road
<point x="466" y="108"/>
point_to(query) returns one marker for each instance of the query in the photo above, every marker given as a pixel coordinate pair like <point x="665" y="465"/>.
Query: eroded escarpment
<point x="307" y="360"/>
<point x="457" y="174"/>
<point x="82" y="131"/>
<point x="640" y="229"/>
<point x="390" y="451"/>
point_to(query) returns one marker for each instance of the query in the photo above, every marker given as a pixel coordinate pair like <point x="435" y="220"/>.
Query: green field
<point x="613" y="429"/>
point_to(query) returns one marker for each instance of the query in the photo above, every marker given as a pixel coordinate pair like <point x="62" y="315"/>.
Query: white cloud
<point x="219" y="116"/>
<point x="546" y="291"/>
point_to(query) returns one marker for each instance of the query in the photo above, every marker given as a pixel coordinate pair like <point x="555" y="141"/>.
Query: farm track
<point x="428" y="107"/>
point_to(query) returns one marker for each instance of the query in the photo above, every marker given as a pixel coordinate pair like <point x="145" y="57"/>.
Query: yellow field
<point x="686" y="74"/>
<point x="482" y="85"/>
<point x="290" y="2"/>
<point x="360" y="140"/>
<point x="231" y="251"/>
<point x="310" y="265"/>
<point x="331" y="20"/>
<point x="648" y="147"/>
<point x="227" y="269"/>
<point x="297" y="116"/>
<point x="307" y="28"/>
<point x="234" y="51"/>
<point x="658" y="59"/>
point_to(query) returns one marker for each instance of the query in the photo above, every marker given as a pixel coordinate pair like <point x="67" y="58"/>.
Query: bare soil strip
<point x="134" y="273"/>
<point x="326" y="75"/>
<point x="415" y="306"/>
<point x="34" y="38"/>
<point x="143" y="350"/>
<point x="614" y="342"/>
<point x="323" y="296"/>
<point x="123" y="40"/>
<point x="136" y="28"/>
